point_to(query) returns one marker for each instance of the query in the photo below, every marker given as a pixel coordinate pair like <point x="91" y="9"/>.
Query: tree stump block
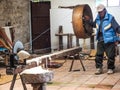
<point x="37" y="77"/>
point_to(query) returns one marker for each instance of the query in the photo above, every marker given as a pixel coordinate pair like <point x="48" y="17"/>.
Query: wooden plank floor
<point x="78" y="80"/>
<point x="85" y="80"/>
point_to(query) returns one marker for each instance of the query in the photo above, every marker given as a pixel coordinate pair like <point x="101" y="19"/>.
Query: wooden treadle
<point x="93" y="53"/>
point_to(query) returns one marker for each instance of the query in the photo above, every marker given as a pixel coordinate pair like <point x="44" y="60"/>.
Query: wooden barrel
<point x="80" y="27"/>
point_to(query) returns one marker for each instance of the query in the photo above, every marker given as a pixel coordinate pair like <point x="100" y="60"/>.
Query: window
<point x="108" y="2"/>
<point x="113" y="2"/>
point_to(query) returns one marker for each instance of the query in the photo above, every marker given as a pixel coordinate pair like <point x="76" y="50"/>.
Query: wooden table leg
<point x="82" y="64"/>
<point x="72" y="63"/>
<point x="39" y="86"/>
<point x="24" y="86"/>
<point x="13" y="81"/>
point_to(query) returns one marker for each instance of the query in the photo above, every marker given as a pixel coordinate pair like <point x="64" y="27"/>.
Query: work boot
<point x="99" y="71"/>
<point x="110" y="71"/>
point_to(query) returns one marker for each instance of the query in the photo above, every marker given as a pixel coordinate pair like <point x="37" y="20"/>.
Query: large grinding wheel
<point x="81" y="28"/>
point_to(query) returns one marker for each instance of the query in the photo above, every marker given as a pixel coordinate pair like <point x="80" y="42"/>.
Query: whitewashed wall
<point x="64" y="17"/>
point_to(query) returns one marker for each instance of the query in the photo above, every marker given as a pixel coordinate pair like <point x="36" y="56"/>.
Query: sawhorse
<point x="74" y="57"/>
<point x="13" y="82"/>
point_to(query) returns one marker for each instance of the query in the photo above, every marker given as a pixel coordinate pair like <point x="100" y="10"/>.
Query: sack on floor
<point x="54" y="65"/>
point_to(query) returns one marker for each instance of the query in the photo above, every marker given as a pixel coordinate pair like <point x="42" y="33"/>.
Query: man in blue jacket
<point x="107" y="28"/>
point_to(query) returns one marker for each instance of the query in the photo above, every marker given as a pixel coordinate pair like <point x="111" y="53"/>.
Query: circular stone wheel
<point x="80" y="27"/>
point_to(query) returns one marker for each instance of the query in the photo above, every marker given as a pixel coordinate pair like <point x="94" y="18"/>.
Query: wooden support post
<point x="69" y="40"/>
<point x="77" y="42"/>
<point x="92" y="46"/>
<point x="60" y="38"/>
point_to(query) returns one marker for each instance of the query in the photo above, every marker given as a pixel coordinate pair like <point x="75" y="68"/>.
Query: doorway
<point x="40" y="27"/>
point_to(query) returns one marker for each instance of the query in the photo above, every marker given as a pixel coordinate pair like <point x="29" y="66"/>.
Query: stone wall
<point x="17" y="13"/>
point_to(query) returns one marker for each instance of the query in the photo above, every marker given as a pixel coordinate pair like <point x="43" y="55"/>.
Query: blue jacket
<point x="109" y="34"/>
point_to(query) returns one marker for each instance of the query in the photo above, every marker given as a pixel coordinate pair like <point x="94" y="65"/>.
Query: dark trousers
<point x="109" y="49"/>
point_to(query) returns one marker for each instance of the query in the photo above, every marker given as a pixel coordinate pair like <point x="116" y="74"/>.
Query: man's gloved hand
<point x="86" y="18"/>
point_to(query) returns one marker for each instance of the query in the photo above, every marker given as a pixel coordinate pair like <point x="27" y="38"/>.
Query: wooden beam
<point x="67" y="7"/>
<point x="34" y="62"/>
<point x="57" y="54"/>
